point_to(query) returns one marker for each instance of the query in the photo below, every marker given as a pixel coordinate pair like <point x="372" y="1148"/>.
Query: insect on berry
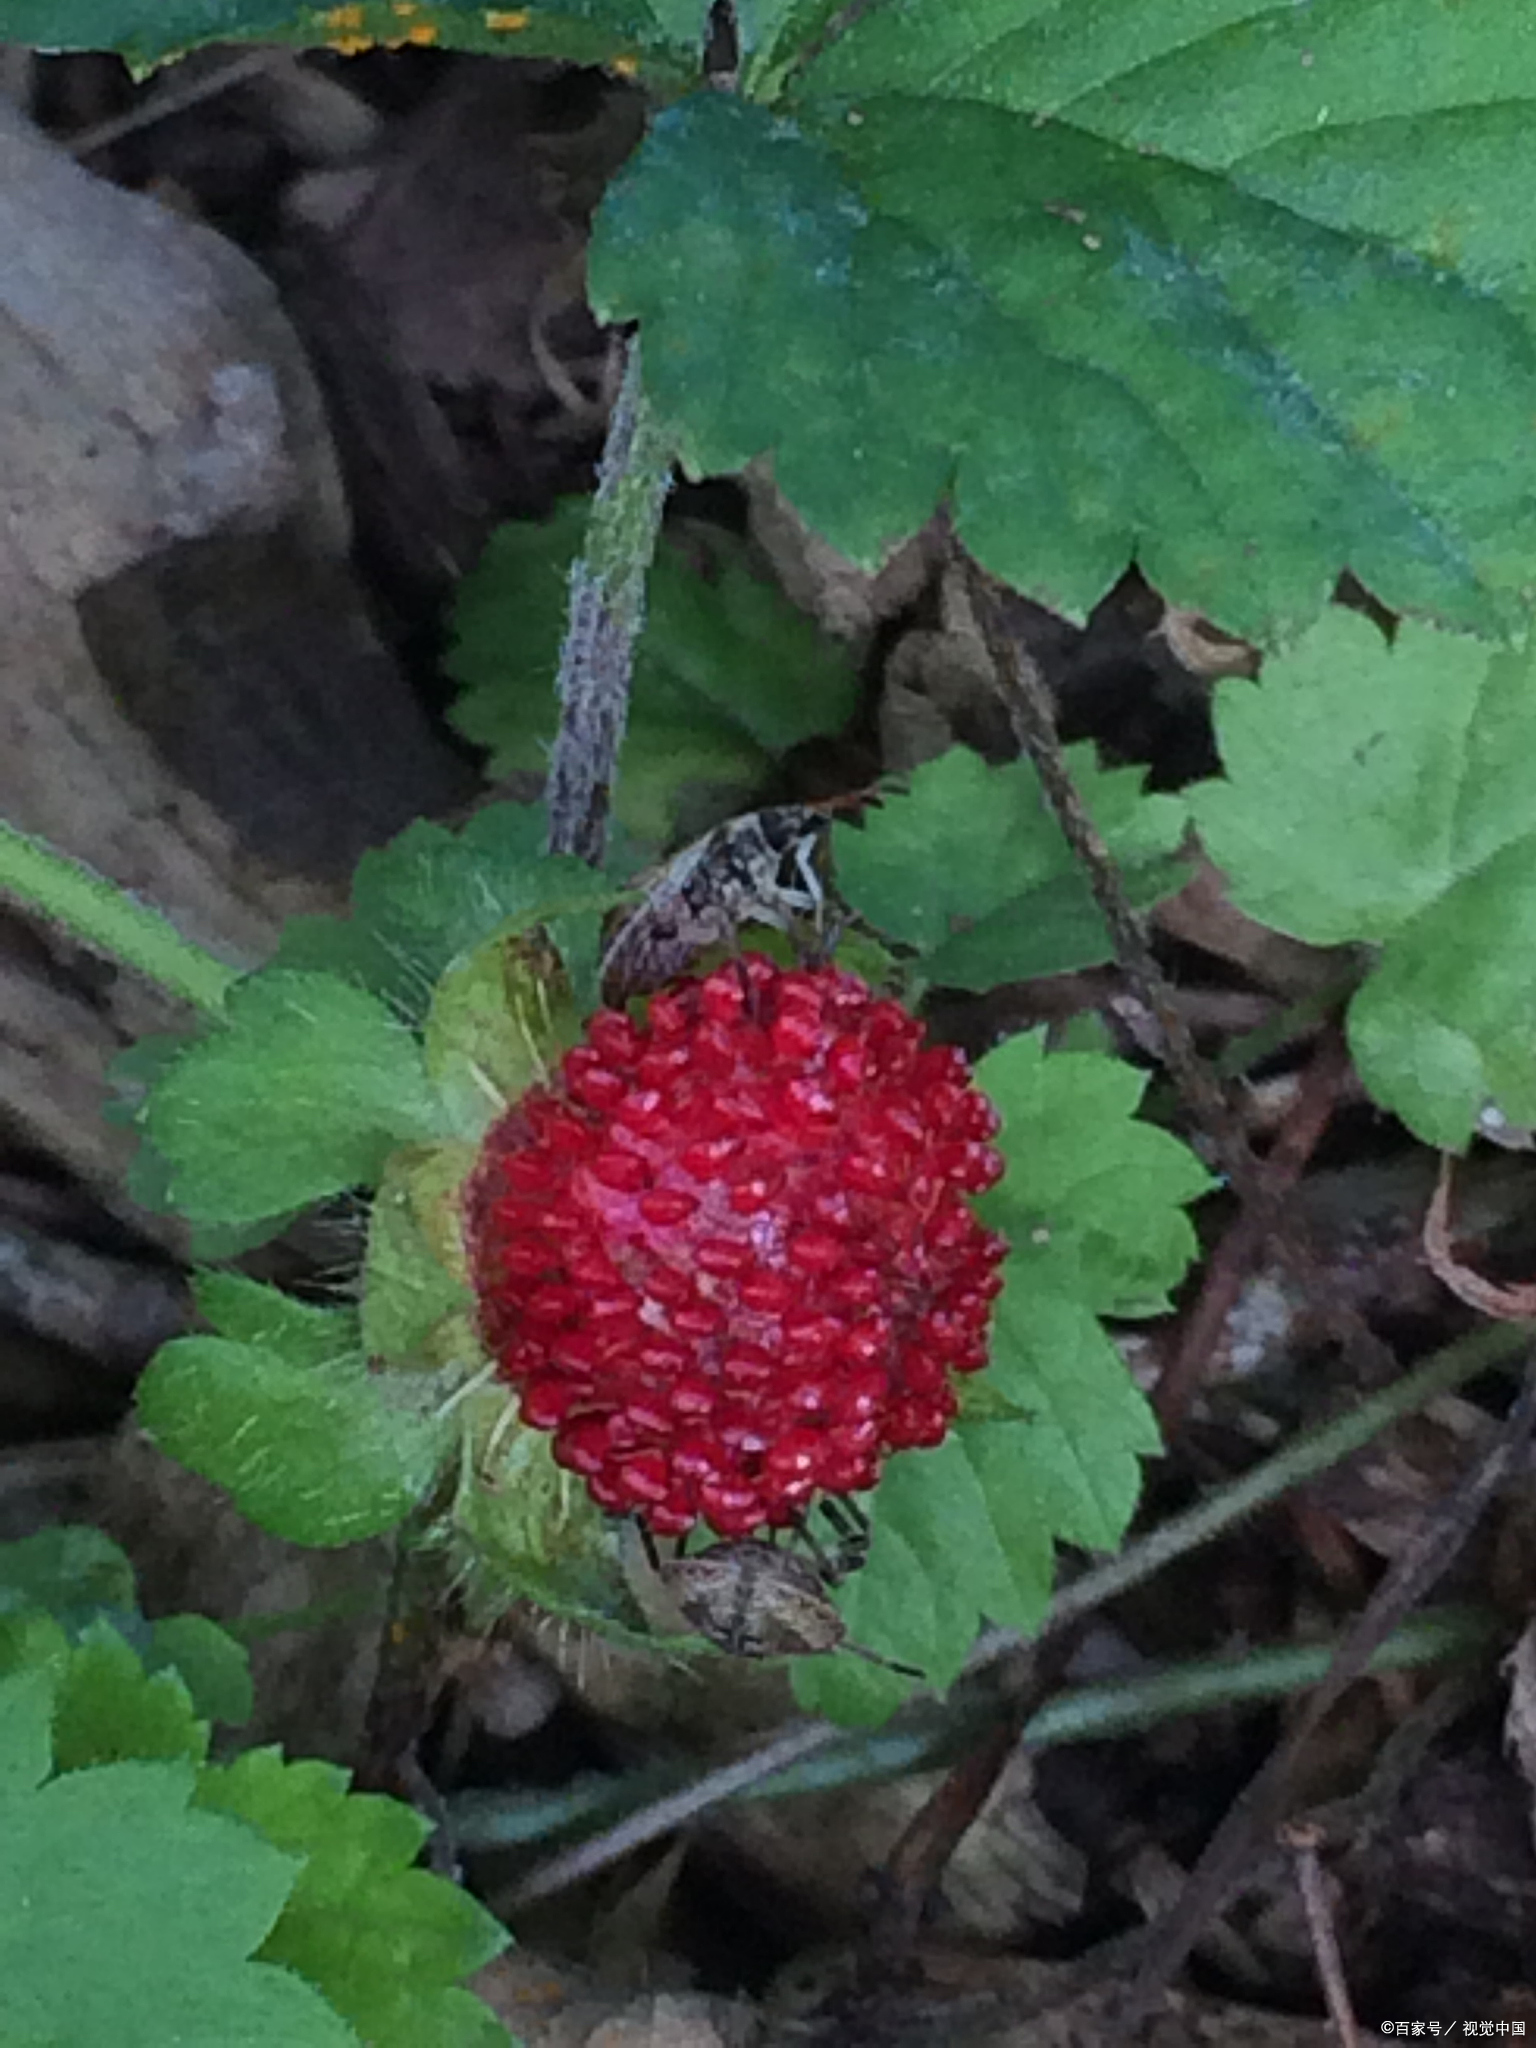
<point x="727" y="1257"/>
<point x="753" y="1600"/>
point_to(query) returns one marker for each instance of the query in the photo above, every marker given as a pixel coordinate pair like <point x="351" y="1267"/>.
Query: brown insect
<point x="753" y="1600"/>
<point x="760" y="868"/>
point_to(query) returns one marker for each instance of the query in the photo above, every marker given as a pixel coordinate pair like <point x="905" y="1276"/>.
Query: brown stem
<point x="1246" y="1241"/>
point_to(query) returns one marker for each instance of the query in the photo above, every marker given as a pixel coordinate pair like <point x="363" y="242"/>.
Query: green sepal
<point x="500" y="1019"/>
<point x="416" y="1278"/>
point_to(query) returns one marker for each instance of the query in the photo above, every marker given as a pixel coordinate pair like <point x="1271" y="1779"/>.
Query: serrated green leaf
<point x="321" y="1455"/>
<point x="215" y="1669"/>
<point x="250" y="1312"/>
<point x="302" y="1092"/>
<point x="386" y="1943"/>
<point x="126" y="1916"/>
<point x="728" y="674"/>
<point x="1389" y="794"/>
<point x="108" y="1709"/>
<point x="1076" y="1465"/>
<point x="73" y="1570"/>
<point x="1092" y="1201"/>
<point x="970" y="867"/>
<point x="33" y="1642"/>
<point x="431" y="896"/>
<point x="1097" y="351"/>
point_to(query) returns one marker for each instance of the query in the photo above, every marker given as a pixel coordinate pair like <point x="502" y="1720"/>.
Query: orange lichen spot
<point x="349" y="46"/>
<point x="504" y="21"/>
<point x="423" y="35"/>
<point x="404" y="8"/>
<point x="626" y="67"/>
<point x="343" y="18"/>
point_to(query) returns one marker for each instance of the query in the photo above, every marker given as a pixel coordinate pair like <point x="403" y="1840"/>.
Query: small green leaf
<point x="215" y="1669"/>
<point x="415" y="1277"/>
<point x="728" y="674"/>
<point x="303" y="1092"/>
<point x="1388" y="794"/>
<point x="431" y="896"/>
<point x="34" y="1642"/>
<point x="108" y="1709"/>
<point x="1092" y="1201"/>
<point x="317" y="1454"/>
<point x="386" y="1943"/>
<point x="126" y="1916"/>
<point x="71" y="1572"/>
<point x="250" y="1312"/>
<point x="970" y="867"/>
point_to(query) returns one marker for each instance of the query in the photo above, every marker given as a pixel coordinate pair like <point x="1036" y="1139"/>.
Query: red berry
<point x="727" y="1256"/>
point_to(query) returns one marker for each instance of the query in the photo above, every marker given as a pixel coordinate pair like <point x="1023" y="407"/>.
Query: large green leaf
<point x="128" y="1916"/>
<point x="1389" y="794"/>
<point x="149" y="1897"/>
<point x="940" y="281"/>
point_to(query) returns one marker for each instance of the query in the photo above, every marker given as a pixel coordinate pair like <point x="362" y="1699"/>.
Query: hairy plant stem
<point x="815" y="1756"/>
<point x="603" y="622"/>
<point x="103" y="916"/>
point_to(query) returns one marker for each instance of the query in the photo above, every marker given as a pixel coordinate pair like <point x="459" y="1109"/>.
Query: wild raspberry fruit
<point x="727" y="1256"/>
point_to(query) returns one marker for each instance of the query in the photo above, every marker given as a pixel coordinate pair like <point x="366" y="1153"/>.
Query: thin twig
<point x="1302" y="1459"/>
<point x="1205" y="1098"/>
<point x="1034" y="722"/>
<point x="929" y="1736"/>
<point x="915" y="1867"/>
<point x="1233" y="1260"/>
<point x="606" y="613"/>
<point x="1231" y="1852"/>
<point x="800" y="1739"/>
<point x="1303" y="1842"/>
